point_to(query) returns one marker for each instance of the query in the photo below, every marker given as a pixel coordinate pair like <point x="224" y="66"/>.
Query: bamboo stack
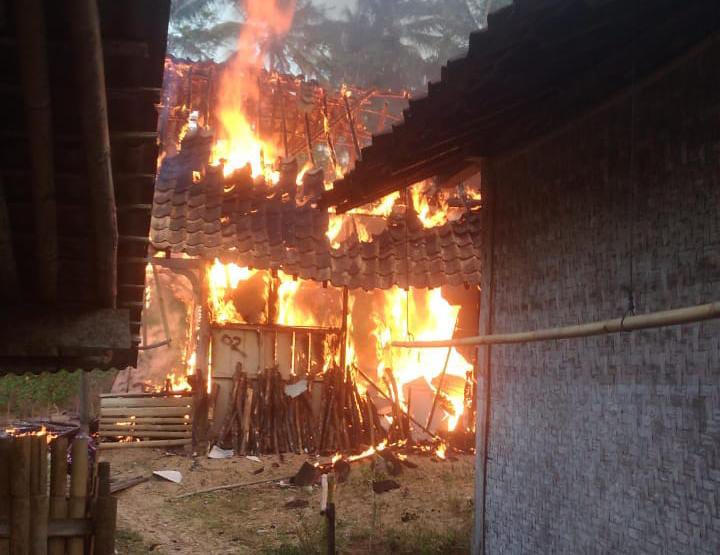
<point x="145" y="420"/>
<point x="262" y="418"/>
<point x="36" y="514"/>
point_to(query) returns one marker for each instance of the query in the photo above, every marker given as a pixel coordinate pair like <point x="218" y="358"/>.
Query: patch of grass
<point x="420" y="540"/>
<point x="310" y="540"/>
<point x="129" y="542"/>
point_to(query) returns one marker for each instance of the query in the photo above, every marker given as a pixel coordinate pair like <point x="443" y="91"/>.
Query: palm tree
<point x="201" y="29"/>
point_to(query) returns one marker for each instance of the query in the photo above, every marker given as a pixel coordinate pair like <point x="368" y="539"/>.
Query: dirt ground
<point x="431" y="512"/>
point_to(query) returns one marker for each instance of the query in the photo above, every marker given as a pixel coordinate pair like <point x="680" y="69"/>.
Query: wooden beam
<point x="32" y="47"/>
<point x="9" y="283"/>
<point x="88" y="59"/>
<point x="483" y="371"/>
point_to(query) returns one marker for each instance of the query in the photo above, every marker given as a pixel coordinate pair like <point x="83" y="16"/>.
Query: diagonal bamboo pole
<point x="673" y="317"/>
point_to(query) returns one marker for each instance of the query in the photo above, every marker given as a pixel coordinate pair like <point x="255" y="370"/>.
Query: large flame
<point x="426" y="315"/>
<point x="222" y="280"/>
<point x="238" y="141"/>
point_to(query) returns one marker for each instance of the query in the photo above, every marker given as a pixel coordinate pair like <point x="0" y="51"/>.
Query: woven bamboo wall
<point x="609" y="444"/>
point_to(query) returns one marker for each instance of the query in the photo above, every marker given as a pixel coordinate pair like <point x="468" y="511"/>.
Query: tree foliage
<point x="398" y="44"/>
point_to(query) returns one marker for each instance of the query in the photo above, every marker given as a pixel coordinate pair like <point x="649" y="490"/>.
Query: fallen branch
<point x="232" y="486"/>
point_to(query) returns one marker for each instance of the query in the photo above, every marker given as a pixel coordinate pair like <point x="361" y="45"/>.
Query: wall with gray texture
<point x="610" y="443"/>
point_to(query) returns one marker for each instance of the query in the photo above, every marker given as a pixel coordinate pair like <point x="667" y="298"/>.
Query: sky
<point x="335" y="7"/>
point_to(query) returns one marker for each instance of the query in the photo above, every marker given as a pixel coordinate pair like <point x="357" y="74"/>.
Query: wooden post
<point x="20" y="490"/>
<point x="78" y="490"/>
<point x="38" y="496"/>
<point x="371" y="418"/>
<point x="308" y="138"/>
<point x="58" y="489"/>
<point x="5" y="499"/>
<point x="84" y="403"/>
<point x="351" y="124"/>
<point x="344" y="328"/>
<point x="105" y="517"/>
<point x="330" y="513"/>
<point x="485" y="326"/>
<point x="328" y="135"/>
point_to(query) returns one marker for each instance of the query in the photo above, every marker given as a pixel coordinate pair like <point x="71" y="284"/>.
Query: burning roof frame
<point x="73" y="256"/>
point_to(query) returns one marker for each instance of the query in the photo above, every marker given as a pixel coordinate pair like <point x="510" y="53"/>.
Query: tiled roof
<point x="261" y="228"/>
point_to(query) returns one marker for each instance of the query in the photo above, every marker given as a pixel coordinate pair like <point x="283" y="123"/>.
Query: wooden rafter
<point x="85" y="31"/>
<point x="9" y="283"/>
<point x="30" y="19"/>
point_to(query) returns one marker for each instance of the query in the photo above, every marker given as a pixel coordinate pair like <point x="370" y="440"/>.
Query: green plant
<point x="31" y="394"/>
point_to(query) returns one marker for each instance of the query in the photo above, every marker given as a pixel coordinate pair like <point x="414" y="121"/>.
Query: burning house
<point x="597" y="127"/>
<point x="293" y="307"/>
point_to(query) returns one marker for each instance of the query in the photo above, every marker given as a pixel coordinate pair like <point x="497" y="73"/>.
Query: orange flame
<point x="238" y="142"/>
<point x="430" y="317"/>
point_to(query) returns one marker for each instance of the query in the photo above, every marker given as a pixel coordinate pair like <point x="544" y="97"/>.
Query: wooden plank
<point x="147" y="428"/>
<point x="145" y="402"/>
<point x="141" y="421"/>
<point x="154" y="411"/>
<point x="140" y="433"/>
<point x="143" y="395"/>
<point x="148" y="443"/>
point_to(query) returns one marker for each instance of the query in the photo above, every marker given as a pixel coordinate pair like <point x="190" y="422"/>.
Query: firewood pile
<point x="268" y="415"/>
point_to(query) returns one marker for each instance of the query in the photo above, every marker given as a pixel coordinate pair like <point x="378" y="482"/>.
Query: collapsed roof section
<point x="537" y="66"/>
<point x="265" y="228"/>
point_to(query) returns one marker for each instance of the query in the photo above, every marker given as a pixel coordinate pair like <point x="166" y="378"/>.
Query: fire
<point x="238" y="142"/>
<point x="441" y="450"/>
<point x="222" y="280"/>
<point x="430" y="216"/>
<point x="430" y="317"/>
<point x="177" y="383"/>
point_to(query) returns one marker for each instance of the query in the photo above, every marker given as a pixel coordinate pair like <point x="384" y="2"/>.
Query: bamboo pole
<point x="673" y="317"/>
<point x="5" y="499"/>
<point x="233" y="486"/>
<point x="20" y="490"/>
<point x="87" y="45"/>
<point x="58" y="490"/>
<point x="78" y="490"/>
<point x="441" y="383"/>
<point x="105" y="514"/>
<point x="38" y="496"/>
